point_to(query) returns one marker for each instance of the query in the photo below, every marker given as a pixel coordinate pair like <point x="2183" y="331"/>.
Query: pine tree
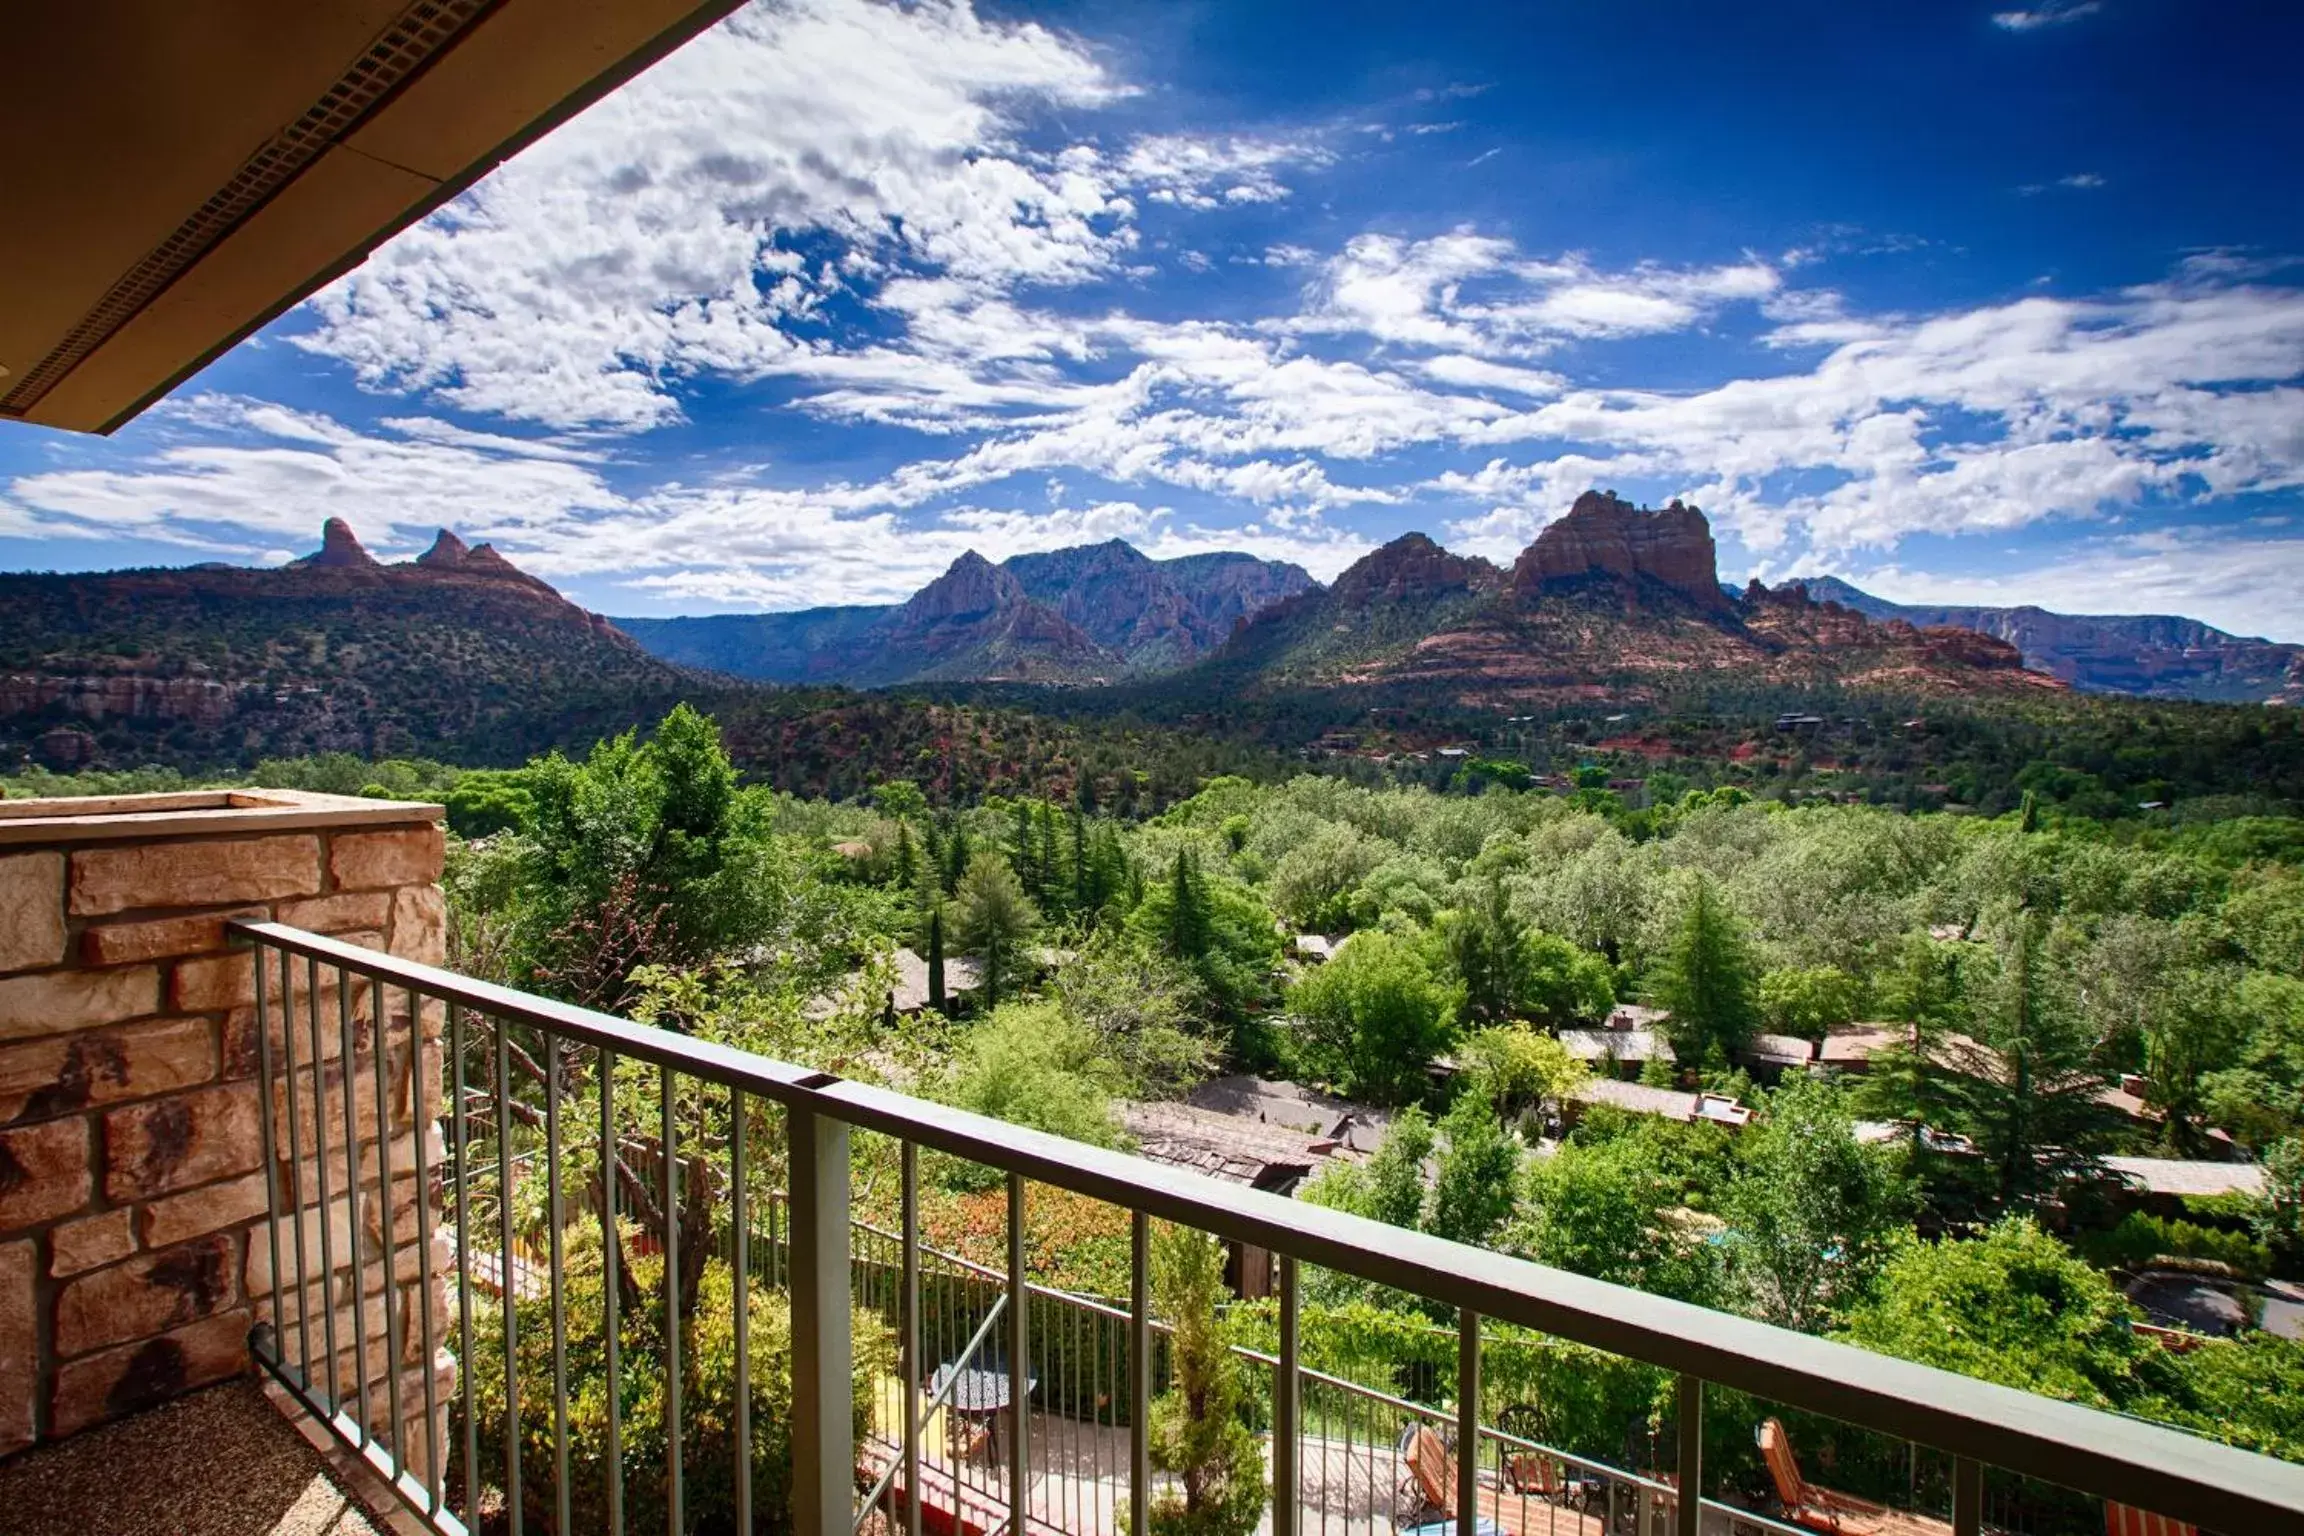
<point x="956" y="858"/>
<point x="2028" y="1084"/>
<point x="907" y="861"/>
<point x="1080" y="875"/>
<point x="993" y="920"/>
<point x="1708" y="981"/>
<point x="1187" y="936"/>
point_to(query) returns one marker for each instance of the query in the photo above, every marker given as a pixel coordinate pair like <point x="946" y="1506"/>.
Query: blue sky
<point x="1964" y="302"/>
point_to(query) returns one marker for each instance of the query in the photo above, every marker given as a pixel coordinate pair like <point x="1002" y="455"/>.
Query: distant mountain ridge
<point x="1090" y="614"/>
<point x="1611" y="601"/>
<point x="456" y="651"/>
<point x="2154" y="655"/>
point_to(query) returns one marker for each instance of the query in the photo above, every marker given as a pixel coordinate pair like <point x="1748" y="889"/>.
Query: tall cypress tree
<point x="936" y="959"/>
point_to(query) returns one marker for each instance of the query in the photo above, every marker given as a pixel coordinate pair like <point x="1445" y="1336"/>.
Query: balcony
<point x="529" y="1267"/>
<point x="922" y="1390"/>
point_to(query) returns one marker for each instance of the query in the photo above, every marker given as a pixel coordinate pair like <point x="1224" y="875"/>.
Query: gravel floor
<point x="222" y="1462"/>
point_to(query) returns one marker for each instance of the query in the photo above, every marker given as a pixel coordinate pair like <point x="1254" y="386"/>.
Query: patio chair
<point x="1431" y="1476"/>
<point x="1827" y="1510"/>
<point x="2123" y="1520"/>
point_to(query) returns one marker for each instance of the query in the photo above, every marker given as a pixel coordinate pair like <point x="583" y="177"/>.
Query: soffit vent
<point x="397" y="55"/>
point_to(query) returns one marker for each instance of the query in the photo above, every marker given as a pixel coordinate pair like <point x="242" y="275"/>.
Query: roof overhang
<point x="185" y="173"/>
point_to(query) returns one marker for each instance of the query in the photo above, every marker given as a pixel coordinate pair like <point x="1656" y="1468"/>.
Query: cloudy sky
<point x="1961" y="303"/>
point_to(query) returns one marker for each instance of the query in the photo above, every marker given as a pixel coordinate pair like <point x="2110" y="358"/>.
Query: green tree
<point x="1607" y="1210"/>
<point x="2014" y="1306"/>
<point x="2027" y="1080"/>
<point x="1390" y="1186"/>
<point x="1217" y="929"/>
<point x="1473" y="1193"/>
<point x="1145" y="1008"/>
<point x="1705" y="979"/>
<point x="1808" y="1000"/>
<point x="1033" y="1064"/>
<point x="1814" y="1212"/>
<point x="1371" y="1019"/>
<point x="1199" y="1434"/>
<point x="1516" y="1068"/>
<point x="2280" y="1211"/>
<point x="993" y="920"/>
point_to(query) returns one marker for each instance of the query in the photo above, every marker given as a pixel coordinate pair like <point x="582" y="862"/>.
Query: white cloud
<point x="2247" y="586"/>
<point x="2051" y="13"/>
<point x="1468" y="292"/>
<point x="1203" y="173"/>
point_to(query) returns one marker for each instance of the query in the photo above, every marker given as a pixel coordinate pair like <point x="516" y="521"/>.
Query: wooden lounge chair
<point x="1433" y="1471"/>
<point x="1830" y="1511"/>
<point x="2122" y="1520"/>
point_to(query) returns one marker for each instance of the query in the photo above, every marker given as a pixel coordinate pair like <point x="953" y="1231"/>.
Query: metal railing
<point x="583" y="1324"/>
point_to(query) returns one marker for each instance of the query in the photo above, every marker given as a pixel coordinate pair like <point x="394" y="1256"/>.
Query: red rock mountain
<point x="1605" y="539"/>
<point x="1611" y="601"/>
<point x="336" y="651"/>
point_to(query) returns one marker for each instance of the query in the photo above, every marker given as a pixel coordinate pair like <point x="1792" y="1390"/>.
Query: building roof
<point x="1292" y="1107"/>
<point x="1617" y="1045"/>
<point x="1785" y="1050"/>
<point x="182" y="179"/>
<point x="1636" y="1016"/>
<point x="1852" y="1045"/>
<point x="2181" y="1176"/>
<point x="1639" y="1098"/>
<point x="910" y="994"/>
<point x="1233" y="1148"/>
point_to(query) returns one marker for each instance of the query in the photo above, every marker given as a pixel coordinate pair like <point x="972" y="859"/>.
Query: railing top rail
<point x="2130" y="1461"/>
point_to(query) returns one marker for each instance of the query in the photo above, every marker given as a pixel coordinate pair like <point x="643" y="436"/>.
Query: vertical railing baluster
<point x="296" y="1176"/>
<point x="459" y="1132"/>
<point x="271" y="1157"/>
<point x="388" y="1283"/>
<point x="1139" y="1372"/>
<point x="1690" y="1504"/>
<point x="611" y="1259"/>
<point x="743" y="1282"/>
<point x="420" y="1128"/>
<point x="1286" y="1399"/>
<point x="1467" y="1422"/>
<point x="1967" y="1496"/>
<point x="559" y="1303"/>
<point x="320" y="1177"/>
<point x="348" y="1070"/>
<point x="908" y="1226"/>
<point x="674" y="1490"/>
<point x="823" y="1390"/>
<point x="512" y="1495"/>
<point x="1019" y="1362"/>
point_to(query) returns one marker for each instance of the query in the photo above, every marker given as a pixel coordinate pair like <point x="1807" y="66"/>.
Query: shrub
<point x="2141" y="1239"/>
<point x="707" y="1399"/>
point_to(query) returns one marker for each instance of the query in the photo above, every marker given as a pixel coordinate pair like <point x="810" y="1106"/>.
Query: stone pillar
<point x="135" y="1254"/>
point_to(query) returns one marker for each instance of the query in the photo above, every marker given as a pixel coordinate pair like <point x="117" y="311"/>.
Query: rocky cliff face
<point x="2155" y="655"/>
<point x="340" y="549"/>
<point x="976" y="621"/>
<point x="1605" y="539"/>
<point x="1072" y="615"/>
<point x="335" y="651"/>
<point x="1412" y="567"/>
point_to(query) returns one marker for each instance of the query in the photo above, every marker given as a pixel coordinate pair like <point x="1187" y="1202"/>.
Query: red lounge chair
<point x="1829" y="1511"/>
<point x="2120" y="1520"/>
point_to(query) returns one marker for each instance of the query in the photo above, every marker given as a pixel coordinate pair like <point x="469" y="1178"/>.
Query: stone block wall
<point x="135" y="1249"/>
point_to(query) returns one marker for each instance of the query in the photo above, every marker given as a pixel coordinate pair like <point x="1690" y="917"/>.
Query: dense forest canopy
<point x="1129" y="945"/>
